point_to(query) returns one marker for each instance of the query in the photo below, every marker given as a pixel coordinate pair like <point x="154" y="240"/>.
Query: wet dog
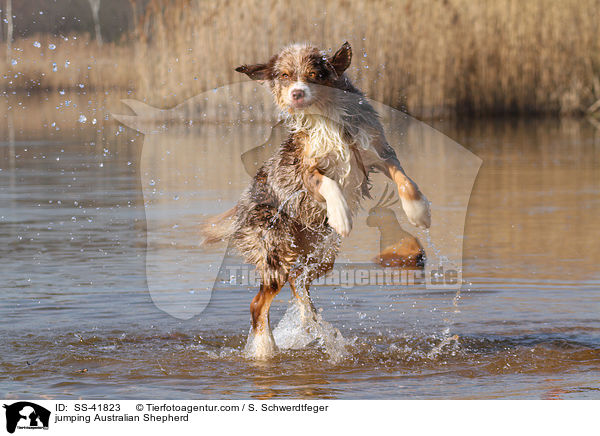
<point x="289" y="220"/>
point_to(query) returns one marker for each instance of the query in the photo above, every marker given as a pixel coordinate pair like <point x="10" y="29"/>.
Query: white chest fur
<point x="328" y="143"/>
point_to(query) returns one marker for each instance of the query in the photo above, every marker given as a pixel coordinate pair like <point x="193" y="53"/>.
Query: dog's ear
<point x="257" y="72"/>
<point x="341" y="58"/>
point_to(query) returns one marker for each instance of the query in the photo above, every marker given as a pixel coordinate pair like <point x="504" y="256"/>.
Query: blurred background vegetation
<point x="431" y="58"/>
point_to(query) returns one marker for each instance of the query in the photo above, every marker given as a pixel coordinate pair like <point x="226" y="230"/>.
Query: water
<point x="77" y="318"/>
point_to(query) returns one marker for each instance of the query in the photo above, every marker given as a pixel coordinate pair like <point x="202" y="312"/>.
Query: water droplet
<point x="51" y="46"/>
<point x="152" y="182"/>
<point x="14" y="62"/>
<point x="82" y="119"/>
<point x="37" y="44"/>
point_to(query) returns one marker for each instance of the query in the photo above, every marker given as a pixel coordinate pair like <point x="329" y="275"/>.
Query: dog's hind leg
<point x="304" y="275"/>
<point x="316" y="264"/>
<point x="302" y="296"/>
<point x="261" y="303"/>
<point x="261" y="343"/>
<point x="266" y="237"/>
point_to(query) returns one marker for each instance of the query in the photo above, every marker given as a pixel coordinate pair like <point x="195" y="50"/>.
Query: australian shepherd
<point x="290" y="219"/>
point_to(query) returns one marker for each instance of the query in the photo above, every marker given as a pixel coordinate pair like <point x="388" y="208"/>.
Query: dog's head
<point x="301" y="75"/>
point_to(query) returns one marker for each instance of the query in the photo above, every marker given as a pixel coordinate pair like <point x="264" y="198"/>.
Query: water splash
<point x="285" y="202"/>
<point x="430" y="244"/>
<point x="443" y="261"/>
<point x="448" y="343"/>
<point x="301" y="326"/>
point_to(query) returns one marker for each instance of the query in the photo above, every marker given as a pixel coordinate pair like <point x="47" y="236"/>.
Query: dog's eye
<point x="312" y="74"/>
<point x="285" y="76"/>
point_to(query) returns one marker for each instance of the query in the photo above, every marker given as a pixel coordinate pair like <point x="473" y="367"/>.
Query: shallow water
<point x="77" y="318"/>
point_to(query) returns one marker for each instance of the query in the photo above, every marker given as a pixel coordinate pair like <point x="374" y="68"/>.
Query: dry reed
<point x="429" y="57"/>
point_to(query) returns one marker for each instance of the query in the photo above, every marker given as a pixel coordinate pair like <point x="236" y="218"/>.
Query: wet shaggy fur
<point x="283" y="222"/>
<point x="278" y="220"/>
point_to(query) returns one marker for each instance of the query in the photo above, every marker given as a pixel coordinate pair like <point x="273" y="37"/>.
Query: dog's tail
<point x="218" y="228"/>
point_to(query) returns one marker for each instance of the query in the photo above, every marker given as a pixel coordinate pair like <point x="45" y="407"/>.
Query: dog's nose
<point x="297" y="94"/>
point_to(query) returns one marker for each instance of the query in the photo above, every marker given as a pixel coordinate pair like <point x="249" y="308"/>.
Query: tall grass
<point x="429" y="57"/>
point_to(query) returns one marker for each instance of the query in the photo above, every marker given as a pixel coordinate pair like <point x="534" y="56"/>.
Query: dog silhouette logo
<point x="26" y="415"/>
<point x="198" y="156"/>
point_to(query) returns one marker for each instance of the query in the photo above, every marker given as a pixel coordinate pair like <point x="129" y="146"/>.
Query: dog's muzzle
<point x="299" y="95"/>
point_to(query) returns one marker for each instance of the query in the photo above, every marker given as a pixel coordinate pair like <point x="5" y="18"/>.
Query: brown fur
<point x="218" y="228"/>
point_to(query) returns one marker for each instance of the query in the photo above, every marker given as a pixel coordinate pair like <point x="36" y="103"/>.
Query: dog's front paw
<point x="418" y="211"/>
<point x="338" y="212"/>
<point x="339" y="216"/>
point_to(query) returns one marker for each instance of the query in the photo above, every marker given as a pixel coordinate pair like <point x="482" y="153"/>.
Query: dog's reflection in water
<point x="397" y="247"/>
